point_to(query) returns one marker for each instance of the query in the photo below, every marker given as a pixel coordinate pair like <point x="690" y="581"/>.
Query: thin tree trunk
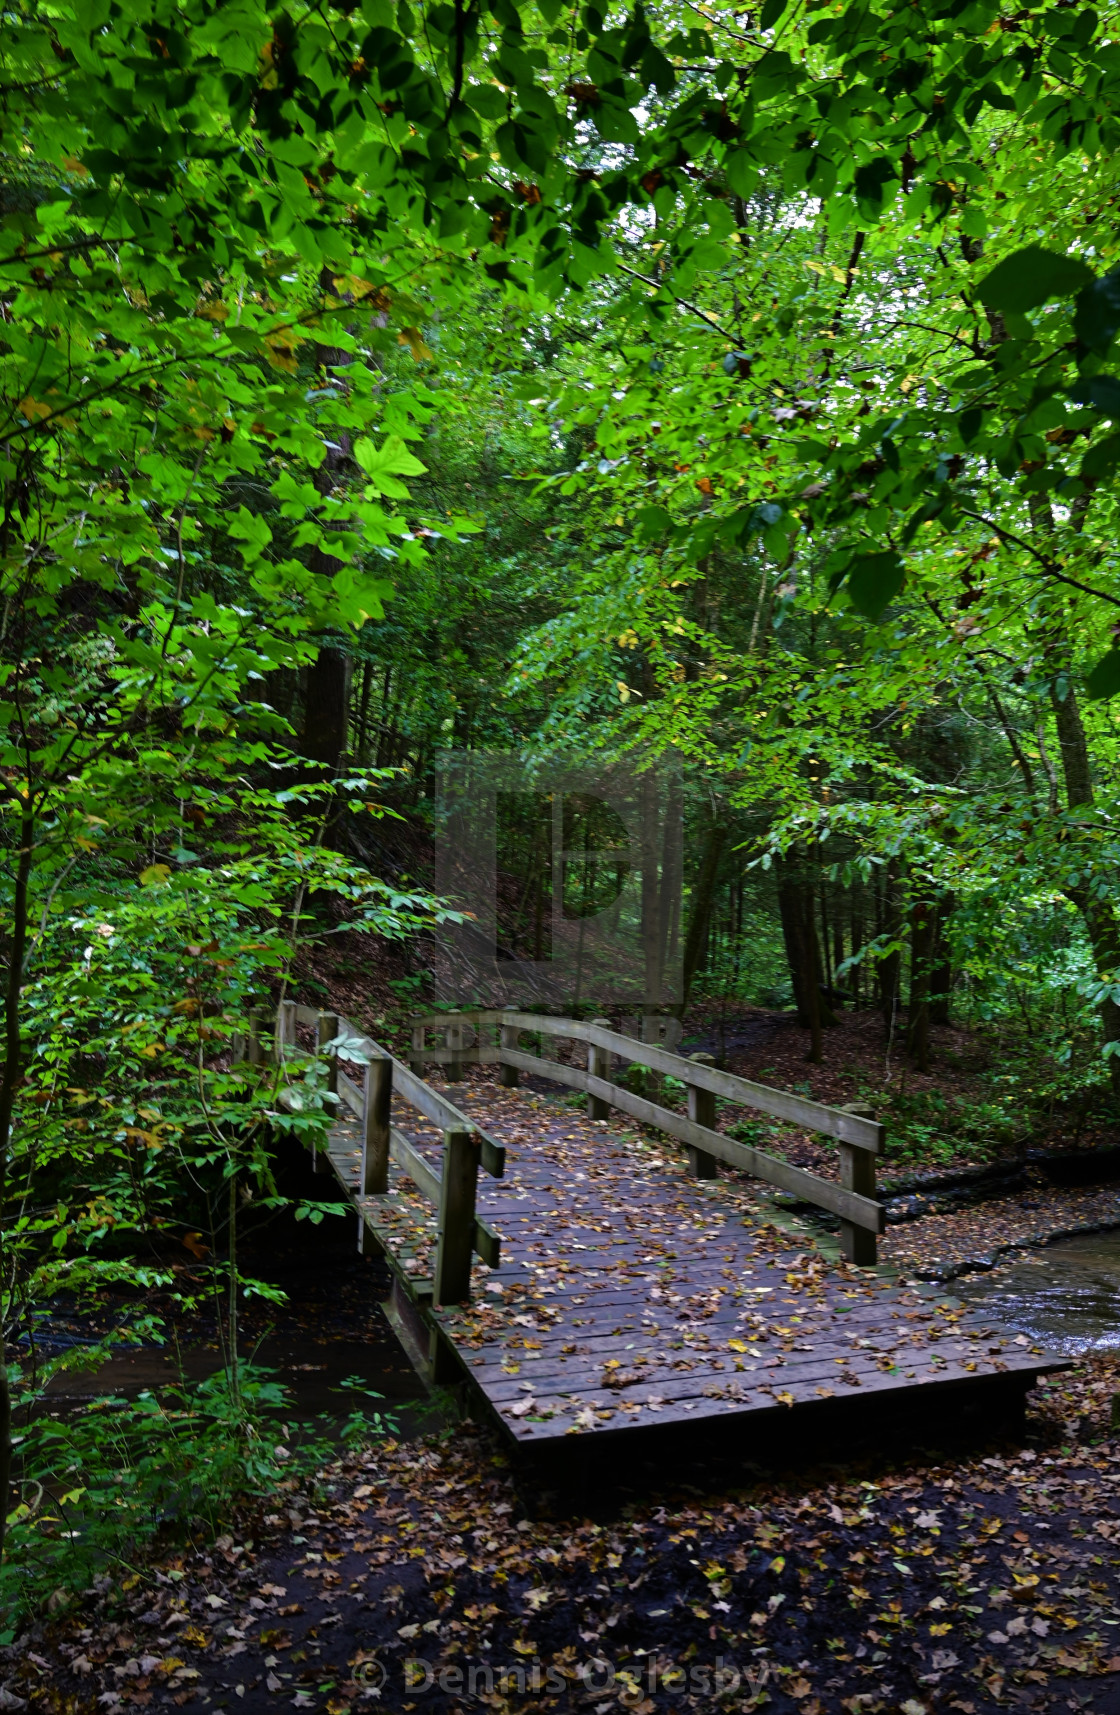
<point x="363" y="711"/>
<point x="856" y="932"/>
<point x="383" y="718"/>
<point x="889" y="968"/>
<point x="941" y="970"/>
<point x="1097" y="914"/>
<point x="651" y="931"/>
<point x="923" y="925"/>
<point x="326" y="712"/>
<point x="796" y="907"/>
<point x="701" y="907"/>
<point x="9" y="1085"/>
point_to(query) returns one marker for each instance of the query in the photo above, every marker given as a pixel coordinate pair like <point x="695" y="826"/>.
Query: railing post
<point x="702" y="1110"/>
<point x="326" y="1030"/>
<point x="378" y="1094"/>
<point x="857" y="1173"/>
<point x="509" y="1075"/>
<point x="454" y="1069"/>
<point x="600" y="1064"/>
<point x="458" y="1187"/>
<point x="416" y="1060"/>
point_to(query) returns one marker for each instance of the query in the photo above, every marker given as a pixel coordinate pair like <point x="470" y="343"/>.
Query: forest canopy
<point x="376" y="378"/>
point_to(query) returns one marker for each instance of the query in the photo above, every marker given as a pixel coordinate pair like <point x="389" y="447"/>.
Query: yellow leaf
<point x="786" y="1398"/>
<point x="414" y="339"/>
<point x="34" y="409"/>
<point x="156" y="875"/>
<point x="737" y="1345"/>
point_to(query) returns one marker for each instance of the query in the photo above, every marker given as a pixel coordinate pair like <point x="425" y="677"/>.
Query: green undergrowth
<point x="102" y="1487"/>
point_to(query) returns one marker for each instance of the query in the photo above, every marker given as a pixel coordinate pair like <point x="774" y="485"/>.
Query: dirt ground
<point x="975" y="1583"/>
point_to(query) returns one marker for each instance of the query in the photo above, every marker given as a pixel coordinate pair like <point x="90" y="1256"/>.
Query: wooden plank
<point x="487" y="1243"/>
<point x="861" y="1211"/>
<point x="350" y="1094"/>
<point x="424" y="1177"/>
<point x="472" y="1015"/>
<point x="835" y="1122"/>
<point x="475" y="1056"/>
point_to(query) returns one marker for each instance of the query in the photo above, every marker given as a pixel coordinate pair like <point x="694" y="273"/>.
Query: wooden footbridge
<point x="584" y="1283"/>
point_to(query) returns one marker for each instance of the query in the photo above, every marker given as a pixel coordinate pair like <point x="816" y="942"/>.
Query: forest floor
<point x="412" y="1572"/>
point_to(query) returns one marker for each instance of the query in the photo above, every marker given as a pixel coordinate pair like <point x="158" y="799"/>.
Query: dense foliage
<point x="537" y="377"/>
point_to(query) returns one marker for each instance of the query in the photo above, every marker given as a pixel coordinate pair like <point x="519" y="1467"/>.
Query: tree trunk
<point x="326" y="709"/>
<point x="9" y="1084"/>
<point x="1097" y="914"/>
<point x="941" y="970"/>
<point x="326" y="705"/>
<point x="889" y="967"/>
<point x="799" y="930"/>
<point x="923" y="927"/>
<point x="651" y="892"/>
<point x="701" y="908"/>
<point x="857" y="942"/>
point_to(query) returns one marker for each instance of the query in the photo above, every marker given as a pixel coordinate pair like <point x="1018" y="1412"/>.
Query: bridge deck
<point x="631" y="1294"/>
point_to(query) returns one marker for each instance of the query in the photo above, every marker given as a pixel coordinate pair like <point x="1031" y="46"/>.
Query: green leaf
<point x="652" y="522"/>
<point x="873" y="581"/>
<point x="1023" y="281"/>
<point x="742" y="172"/>
<point x="1102" y="459"/>
<point x="1097" y="315"/>
<point x="384" y="464"/>
<point x="771" y="12"/>
<point x="1102" y="393"/>
<point x="1104" y="680"/>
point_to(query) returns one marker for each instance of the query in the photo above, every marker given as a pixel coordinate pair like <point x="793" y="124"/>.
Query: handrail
<point x="860" y="1138"/>
<point x="466" y="1147"/>
<point x="413" y="1089"/>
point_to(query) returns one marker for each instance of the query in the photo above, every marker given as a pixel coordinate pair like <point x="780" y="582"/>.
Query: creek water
<point x="1065" y="1296"/>
<point x="329" y="1332"/>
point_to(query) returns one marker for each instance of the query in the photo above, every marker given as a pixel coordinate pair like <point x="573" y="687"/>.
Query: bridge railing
<point x="497" y="1041"/>
<point x="452" y="1188"/>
